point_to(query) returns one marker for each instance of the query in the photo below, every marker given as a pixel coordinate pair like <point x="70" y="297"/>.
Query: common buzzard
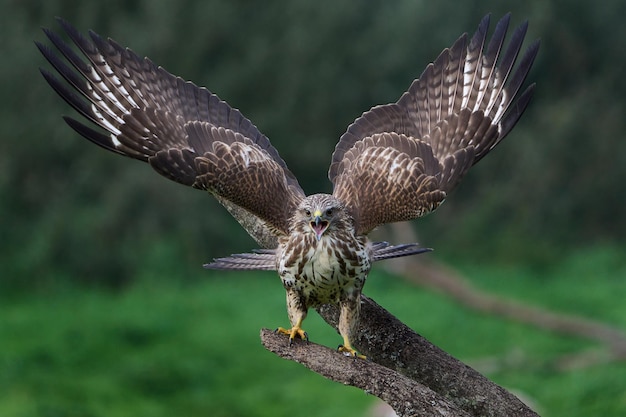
<point x="396" y="162"/>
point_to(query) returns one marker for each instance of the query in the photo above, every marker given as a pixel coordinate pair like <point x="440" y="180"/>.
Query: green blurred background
<point x="104" y="307"/>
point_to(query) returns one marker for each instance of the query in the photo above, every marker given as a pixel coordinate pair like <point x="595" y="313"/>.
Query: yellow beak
<point x="318" y="225"/>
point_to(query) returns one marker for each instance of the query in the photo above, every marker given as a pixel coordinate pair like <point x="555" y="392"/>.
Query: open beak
<point x="319" y="226"/>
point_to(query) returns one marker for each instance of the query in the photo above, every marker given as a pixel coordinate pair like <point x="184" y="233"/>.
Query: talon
<point x="348" y="351"/>
<point x="294" y="332"/>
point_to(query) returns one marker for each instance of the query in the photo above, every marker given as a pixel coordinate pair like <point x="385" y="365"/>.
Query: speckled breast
<point x="324" y="271"/>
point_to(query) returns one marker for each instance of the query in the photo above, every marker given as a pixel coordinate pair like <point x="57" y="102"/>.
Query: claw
<point x="293" y="333"/>
<point x="348" y="351"/>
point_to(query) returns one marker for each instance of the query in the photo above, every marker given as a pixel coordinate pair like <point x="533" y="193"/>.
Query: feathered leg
<point x="348" y="319"/>
<point x="297" y="311"/>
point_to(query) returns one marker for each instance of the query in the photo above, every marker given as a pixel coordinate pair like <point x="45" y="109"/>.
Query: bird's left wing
<point x="184" y="132"/>
<point x="398" y="161"/>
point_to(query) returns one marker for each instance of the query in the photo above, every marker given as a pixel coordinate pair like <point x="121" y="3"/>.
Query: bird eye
<point x="307" y="212"/>
<point x="329" y="212"/>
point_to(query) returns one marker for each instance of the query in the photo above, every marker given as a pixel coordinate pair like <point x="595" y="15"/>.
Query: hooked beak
<point x="318" y="225"/>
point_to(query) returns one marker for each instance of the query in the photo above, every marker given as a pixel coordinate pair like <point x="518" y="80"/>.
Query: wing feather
<point x="387" y="178"/>
<point x="461" y="107"/>
<point x="184" y="132"/>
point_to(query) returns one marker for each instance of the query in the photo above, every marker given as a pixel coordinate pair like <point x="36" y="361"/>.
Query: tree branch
<point x="427" y="273"/>
<point x="412" y="375"/>
<point x="407" y="397"/>
<point x="430" y="274"/>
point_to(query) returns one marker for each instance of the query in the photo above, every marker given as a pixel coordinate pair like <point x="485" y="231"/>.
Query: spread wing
<point x="398" y="161"/>
<point x="184" y="132"/>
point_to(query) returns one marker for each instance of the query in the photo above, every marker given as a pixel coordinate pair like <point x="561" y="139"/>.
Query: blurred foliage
<point x="303" y="71"/>
<point x="171" y="349"/>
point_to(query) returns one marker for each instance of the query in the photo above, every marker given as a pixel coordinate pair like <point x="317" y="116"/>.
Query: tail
<point x="259" y="260"/>
<point x="265" y="259"/>
<point x="382" y="250"/>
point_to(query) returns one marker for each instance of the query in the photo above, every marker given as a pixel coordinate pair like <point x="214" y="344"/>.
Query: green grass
<point x="159" y="350"/>
<point x="163" y="349"/>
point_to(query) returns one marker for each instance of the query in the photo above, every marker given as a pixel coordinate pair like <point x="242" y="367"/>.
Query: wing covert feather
<point x="388" y="178"/>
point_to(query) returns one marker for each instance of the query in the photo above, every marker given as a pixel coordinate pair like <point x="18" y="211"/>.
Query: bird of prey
<point x="396" y="162"/>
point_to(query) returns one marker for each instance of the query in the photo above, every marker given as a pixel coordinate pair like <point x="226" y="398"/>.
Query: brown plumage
<point x="396" y="162"/>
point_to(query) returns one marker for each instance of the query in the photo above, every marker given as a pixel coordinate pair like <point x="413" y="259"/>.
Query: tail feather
<point x="382" y="250"/>
<point x="259" y="260"/>
<point x="265" y="259"/>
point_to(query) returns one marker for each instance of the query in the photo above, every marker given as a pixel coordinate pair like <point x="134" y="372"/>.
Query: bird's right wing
<point x="184" y="132"/>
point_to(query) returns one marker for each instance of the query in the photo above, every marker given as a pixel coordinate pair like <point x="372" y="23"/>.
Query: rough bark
<point x="404" y="369"/>
<point x="405" y="396"/>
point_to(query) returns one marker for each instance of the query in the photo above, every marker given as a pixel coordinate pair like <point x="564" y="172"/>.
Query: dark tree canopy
<point x="303" y="72"/>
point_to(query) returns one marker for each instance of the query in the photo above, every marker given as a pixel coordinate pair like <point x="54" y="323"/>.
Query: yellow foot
<point x="294" y="332"/>
<point x="348" y="351"/>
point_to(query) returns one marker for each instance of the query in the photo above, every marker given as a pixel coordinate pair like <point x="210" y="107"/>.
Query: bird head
<point x="319" y="213"/>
